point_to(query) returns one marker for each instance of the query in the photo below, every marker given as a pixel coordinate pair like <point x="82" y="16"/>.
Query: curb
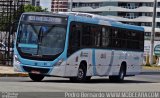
<point x="150" y="73"/>
<point x="13" y="75"/>
<point x="151" y="68"/>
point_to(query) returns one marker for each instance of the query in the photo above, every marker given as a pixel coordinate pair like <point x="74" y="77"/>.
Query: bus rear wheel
<point x="36" y="77"/>
<point x="120" y="76"/>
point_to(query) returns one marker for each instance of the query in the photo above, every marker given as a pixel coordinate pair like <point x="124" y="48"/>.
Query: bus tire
<point x="88" y="78"/>
<point x="74" y="79"/>
<point x="81" y="75"/>
<point x="120" y="76"/>
<point x="36" y="77"/>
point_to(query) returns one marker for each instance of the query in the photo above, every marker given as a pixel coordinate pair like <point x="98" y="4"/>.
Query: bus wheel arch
<point x="81" y="73"/>
<point x="124" y="66"/>
<point x="121" y="74"/>
<point x="83" y="63"/>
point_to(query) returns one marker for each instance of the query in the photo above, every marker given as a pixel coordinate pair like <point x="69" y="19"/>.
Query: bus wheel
<point x="74" y="79"/>
<point x="88" y="78"/>
<point x="81" y="75"/>
<point x="36" y="77"/>
<point x="120" y="77"/>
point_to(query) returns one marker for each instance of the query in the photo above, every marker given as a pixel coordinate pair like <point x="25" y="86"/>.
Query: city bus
<point x="77" y="46"/>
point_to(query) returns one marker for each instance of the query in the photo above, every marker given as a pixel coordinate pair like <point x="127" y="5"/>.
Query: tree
<point x="31" y="8"/>
<point x="7" y="18"/>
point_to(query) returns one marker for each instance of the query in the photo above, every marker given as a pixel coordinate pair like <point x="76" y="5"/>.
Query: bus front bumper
<point x="50" y="71"/>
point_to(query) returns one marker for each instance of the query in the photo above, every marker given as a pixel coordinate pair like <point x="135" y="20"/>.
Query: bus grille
<point x="41" y="70"/>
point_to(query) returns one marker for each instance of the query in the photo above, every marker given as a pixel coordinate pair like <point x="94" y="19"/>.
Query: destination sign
<point x="39" y="18"/>
<point x="44" y="18"/>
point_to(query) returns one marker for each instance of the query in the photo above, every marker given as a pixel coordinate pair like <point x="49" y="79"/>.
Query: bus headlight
<point x="59" y="62"/>
<point x="16" y="59"/>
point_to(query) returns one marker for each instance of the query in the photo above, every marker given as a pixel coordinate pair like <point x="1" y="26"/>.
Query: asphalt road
<point x="143" y="83"/>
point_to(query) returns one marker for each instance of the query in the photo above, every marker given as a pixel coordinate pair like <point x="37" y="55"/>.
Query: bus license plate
<point x="35" y="72"/>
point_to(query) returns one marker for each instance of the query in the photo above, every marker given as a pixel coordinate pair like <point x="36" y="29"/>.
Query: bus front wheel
<point x="36" y="77"/>
<point x="81" y="75"/>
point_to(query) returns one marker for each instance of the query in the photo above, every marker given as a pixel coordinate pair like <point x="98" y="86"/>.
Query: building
<point x="59" y="5"/>
<point x="35" y="2"/>
<point x="135" y="12"/>
<point x="55" y="5"/>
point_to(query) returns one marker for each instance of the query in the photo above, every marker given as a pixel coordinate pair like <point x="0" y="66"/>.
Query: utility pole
<point x="71" y="2"/>
<point x="58" y="6"/>
<point x="153" y="32"/>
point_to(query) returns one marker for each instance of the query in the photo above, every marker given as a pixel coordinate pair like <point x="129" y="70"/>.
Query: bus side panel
<point x="59" y="70"/>
<point x="135" y="60"/>
<point x="74" y="60"/>
<point x="104" y="62"/>
<point x="130" y="62"/>
<point x="118" y="57"/>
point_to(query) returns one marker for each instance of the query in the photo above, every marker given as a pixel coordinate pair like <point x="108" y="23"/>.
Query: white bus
<point x="77" y="46"/>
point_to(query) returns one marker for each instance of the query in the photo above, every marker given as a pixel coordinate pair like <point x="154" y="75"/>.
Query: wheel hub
<point x="80" y="74"/>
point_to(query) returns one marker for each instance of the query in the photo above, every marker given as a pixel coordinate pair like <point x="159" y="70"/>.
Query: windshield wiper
<point x="39" y="40"/>
<point x="41" y="35"/>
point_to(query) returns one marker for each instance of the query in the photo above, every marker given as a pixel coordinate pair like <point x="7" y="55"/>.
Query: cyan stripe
<point x="111" y="63"/>
<point x="28" y="45"/>
<point x="94" y="62"/>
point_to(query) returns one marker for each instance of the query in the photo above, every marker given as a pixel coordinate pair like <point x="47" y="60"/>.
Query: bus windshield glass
<point x="42" y="35"/>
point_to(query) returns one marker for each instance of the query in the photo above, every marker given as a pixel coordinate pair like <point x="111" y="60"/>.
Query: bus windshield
<point x="41" y="39"/>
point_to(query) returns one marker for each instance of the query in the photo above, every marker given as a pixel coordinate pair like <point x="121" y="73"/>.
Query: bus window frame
<point x="111" y="28"/>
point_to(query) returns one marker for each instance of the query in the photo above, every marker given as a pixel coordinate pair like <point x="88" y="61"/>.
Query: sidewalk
<point x="147" y="70"/>
<point x="8" y="71"/>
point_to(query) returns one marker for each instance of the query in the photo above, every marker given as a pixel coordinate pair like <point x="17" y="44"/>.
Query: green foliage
<point x="31" y="8"/>
<point x="5" y="21"/>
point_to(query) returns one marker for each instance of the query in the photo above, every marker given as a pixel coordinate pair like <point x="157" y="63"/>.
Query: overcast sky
<point x="46" y="4"/>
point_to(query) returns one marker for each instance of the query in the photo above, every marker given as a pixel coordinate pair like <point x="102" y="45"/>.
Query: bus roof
<point x="46" y="13"/>
<point x="91" y="18"/>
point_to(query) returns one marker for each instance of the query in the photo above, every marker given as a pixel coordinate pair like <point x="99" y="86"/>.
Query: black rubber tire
<point x="81" y="75"/>
<point x="36" y="77"/>
<point x="88" y="78"/>
<point x="120" y="77"/>
<point x="72" y="79"/>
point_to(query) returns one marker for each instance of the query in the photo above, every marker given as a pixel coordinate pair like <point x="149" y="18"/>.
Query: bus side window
<point x="105" y="37"/>
<point x="74" y="39"/>
<point x="86" y="36"/>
